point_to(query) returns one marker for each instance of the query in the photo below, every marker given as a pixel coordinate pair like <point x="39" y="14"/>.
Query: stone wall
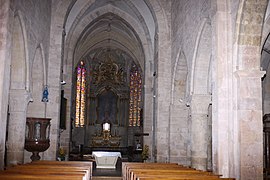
<point x="190" y="41"/>
<point x="37" y="18"/>
<point x="34" y="20"/>
<point x="186" y="20"/>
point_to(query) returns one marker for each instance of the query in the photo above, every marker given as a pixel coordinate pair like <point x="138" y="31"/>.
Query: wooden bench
<point x="38" y="177"/>
<point x="49" y="170"/>
<point x="68" y="163"/>
<point x="164" y="171"/>
<point x="126" y="166"/>
<point x="174" y="173"/>
<point x="132" y="173"/>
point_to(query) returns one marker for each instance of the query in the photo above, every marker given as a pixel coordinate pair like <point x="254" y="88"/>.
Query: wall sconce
<point x="63" y="82"/>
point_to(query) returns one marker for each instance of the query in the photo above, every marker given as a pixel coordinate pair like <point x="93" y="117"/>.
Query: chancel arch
<point x="128" y="44"/>
<point x="135" y="30"/>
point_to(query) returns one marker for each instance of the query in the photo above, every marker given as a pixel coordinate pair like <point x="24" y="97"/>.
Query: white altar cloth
<point x="106" y="159"/>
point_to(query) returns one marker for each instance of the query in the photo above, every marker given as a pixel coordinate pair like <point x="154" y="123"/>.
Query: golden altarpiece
<point x="107" y="102"/>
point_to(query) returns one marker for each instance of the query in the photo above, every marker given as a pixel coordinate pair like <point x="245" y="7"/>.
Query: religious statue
<point x="45" y="94"/>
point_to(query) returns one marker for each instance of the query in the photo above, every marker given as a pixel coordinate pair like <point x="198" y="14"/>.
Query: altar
<point x="106" y="159"/>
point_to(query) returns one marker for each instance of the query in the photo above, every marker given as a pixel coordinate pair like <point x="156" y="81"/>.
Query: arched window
<point x="135" y="96"/>
<point x="80" y="95"/>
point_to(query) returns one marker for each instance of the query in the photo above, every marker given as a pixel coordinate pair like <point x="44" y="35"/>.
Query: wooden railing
<point x="49" y="170"/>
<point x="164" y="171"/>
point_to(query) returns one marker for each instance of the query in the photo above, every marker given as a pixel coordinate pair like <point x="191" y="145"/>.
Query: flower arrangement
<point x="61" y="153"/>
<point x="145" y="152"/>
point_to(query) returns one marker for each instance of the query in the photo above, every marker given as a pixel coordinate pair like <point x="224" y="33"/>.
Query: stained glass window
<point x="135" y="97"/>
<point x="80" y="95"/>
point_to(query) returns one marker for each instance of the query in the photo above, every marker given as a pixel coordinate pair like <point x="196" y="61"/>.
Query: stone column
<point x="5" y="44"/>
<point x="18" y="100"/>
<point x="199" y="130"/>
<point x="250" y="127"/>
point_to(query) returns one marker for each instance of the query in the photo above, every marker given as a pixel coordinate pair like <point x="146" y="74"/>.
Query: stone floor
<point x="114" y="174"/>
<point x="107" y="172"/>
<point x="106" y="178"/>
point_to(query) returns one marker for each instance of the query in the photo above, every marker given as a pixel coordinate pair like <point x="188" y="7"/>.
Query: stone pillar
<point x="18" y="100"/>
<point x="199" y="130"/>
<point x="250" y="127"/>
<point x="5" y="44"/>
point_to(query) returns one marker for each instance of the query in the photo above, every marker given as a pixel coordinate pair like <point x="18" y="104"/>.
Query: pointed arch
<point x="19" y="55"/>
<point x="179" y="78"/>
<point x="37" y="108"/>
<point x="44" y="68"/>
<point x="201" y="60"/>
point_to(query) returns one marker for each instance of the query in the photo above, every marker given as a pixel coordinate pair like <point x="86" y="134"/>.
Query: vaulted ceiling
<point x="109" y="24"/>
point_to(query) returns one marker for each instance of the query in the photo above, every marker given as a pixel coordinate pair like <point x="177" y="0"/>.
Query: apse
<point x="107" y="89"/>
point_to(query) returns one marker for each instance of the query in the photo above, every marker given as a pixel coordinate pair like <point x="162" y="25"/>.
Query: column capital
<point x="18" y="99"/>
<point x="249" y="73"/>
<point x="199" y="103"/>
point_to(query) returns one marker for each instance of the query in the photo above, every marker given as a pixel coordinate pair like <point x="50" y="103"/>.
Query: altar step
<point x="106" y="178"/>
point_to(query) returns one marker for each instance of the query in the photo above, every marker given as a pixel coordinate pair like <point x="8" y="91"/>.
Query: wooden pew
<point x="133" y="172"/>
<point x="49" y="170"/>
<point x="126" y="166"/>
<point x="164" y="171"/>
<point x="177" y="177"/>
<point x="68" y="163"/>
<point x="172" y="177"/>
<point x="46" y="171"/>
<point x="54" y="169"/>
<point x="175" y="173"/>
<point x="38" y="177"/>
